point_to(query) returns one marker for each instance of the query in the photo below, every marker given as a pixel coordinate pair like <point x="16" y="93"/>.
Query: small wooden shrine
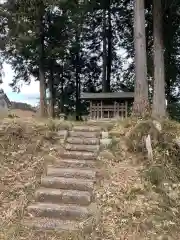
<point x="108" y="105"/>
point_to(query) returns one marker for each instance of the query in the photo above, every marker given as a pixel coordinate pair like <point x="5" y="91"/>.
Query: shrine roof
<point x="107" y="95"/>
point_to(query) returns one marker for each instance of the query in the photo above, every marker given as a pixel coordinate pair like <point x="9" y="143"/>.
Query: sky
<point x="28" y="93"/>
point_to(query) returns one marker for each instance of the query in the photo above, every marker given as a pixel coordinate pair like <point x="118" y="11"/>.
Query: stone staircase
<point x="65" y="200"/>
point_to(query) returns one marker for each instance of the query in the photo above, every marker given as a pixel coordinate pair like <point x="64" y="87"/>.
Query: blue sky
<point x="29" y="93"/>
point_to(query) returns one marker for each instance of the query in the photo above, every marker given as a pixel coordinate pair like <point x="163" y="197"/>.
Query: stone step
<point x="82" y="134"/>
<point x="63" y="212"/>
<point x="84" y="148"/>
<point x="73" y="163"/>
<point x="67" y="183"/>
<point x="86" y="141"/>
<point x="86" y="128"/>
<point x="78" y="155"/>
<point x="71" y="173"/>
<point x="58" y="225"/>
<point x="63" y="196"/>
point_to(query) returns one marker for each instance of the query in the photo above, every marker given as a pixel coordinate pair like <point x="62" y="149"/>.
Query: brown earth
<point x="23" y="113"/>
<point x="137" y="199"/>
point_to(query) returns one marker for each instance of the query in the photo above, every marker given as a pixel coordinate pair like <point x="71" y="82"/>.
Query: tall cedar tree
<point x="42" y="84"/>
<point x="159" y="104"/>
<point x="141" y="102"/>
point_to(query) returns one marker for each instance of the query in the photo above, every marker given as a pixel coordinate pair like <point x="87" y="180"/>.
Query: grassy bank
<point x="25" y="149"/>
<point x="139" y="198"/>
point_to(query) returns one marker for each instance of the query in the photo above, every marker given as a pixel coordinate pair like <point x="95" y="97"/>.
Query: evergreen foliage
<point x="61" y="44"/>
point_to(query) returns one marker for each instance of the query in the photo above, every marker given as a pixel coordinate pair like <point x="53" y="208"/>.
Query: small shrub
<point x="56" y="125"/>
<point x="71" y="117"/>
<point x="113" y="144"/>
<point x="155" y="174"/>
<point x="52" y="125"/>
<point x="135" y="137"/>
<point x="12" y="115"/>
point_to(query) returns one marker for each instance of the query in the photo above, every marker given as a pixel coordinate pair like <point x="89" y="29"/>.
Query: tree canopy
<point x="74" y="46"/>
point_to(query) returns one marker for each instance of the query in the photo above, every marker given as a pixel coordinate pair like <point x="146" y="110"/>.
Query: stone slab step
<point x="78" y="155"/>
<point x="63" y="212"/>
<point x="64" y="227"/>
<point x="82" y="134"/>
<point x="73" y="163"/>
<point x="67" y="183"/>
<point x="71" y="172"/>
<point x="63" y="196"/>
<point x="86" y="128"/>
<point x="83" y="148"/>
<point x="51" y="224"/>
<point x="86" y="141"/>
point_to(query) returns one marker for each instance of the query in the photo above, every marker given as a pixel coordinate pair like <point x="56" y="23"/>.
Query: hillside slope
<point x="25" y="149"/>
<point x="138" y="198"/>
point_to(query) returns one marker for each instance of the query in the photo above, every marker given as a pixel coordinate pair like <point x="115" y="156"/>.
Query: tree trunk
<point x="159" y="103"/>
<point x="141" y="102"/>
<point x="51" y="92"/>
<point x="109" y="58"/>
<point x="43" y="105"/>
<point x="77" y="73"/>
<point x="43" y="109"/>
<point x="62" y="91"/>
<point x="168" y="59"/>
<point x="77" y="85"/>
<point x="104" y="74"/>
